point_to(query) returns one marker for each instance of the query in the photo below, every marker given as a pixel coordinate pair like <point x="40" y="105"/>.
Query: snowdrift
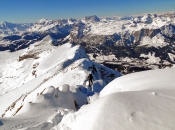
<point x="149" y="80"/>
<point x="138" y="101"/>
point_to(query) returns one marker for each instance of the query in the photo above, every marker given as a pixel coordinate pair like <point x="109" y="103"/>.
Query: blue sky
<point x="24" y="11"/>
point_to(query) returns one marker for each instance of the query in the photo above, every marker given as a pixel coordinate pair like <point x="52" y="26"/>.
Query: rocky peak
<point x="50" y="39"/>
<point x="171" y="14"/>
<point x="6" y="24"/>
<point x="78" y="29"/>
<point x="147" y="19"/>
<point x="93" y="18"/>
<point x="168" y="30"/>
<point x="43" y="21"/>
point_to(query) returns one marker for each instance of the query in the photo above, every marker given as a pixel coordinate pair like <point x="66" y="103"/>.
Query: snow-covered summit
<point x="8" y="28"/>
<point x="93" y="18"/>
<point x="43" y="21"/>
<point x="49" y="39"/>
<point x="147" y="19"/>
<point x="6" y="24"/>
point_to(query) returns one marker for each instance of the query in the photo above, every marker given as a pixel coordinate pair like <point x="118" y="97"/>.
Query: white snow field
<point x="138" y="101"/>
<point x="43" y="83"/>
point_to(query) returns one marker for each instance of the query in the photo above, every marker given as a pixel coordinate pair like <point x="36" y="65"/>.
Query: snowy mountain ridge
<point x="8" y="28"/>
<point x="121" y="37"/>
<point x="43" y="64"/>
<point x="118" y="24"/>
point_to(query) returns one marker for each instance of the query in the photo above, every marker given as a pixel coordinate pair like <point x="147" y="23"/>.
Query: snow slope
<point x="148" y="80"/>
<point x="43" y="83"/>
<point x="138" y="101"/>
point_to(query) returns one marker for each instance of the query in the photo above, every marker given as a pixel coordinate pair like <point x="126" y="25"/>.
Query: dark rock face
<point x="168" y="30"/>
<point x="170" y="15"/>
<point x="16" y="45"/>
<point x="93" y="18"/>
<point x="78" y="30"/>
<point x="138" y="35"/>
<point x="12" y="37"/>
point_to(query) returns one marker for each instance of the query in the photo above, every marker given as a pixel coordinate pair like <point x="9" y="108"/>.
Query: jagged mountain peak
<point x="6" y="24"/>
<point x="43" y="20"/>
<point x="48" y="37"/>
<point x="92" y="18"/>
<point x="147" y="19"/>
<point x="49" y="40"/>
<point x="11" y="25"/>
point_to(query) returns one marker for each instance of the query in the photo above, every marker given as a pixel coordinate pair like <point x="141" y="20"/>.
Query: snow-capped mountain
<point x="127" y="40"/>
<point x="147" y="40"/>
<point x="8" y="28"/>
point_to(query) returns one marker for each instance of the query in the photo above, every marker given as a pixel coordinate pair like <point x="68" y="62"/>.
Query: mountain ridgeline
<point x="127" y="44"/>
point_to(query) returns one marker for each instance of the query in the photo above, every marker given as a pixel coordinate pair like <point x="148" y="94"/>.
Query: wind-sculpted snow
<point x="138" y="101"/>
<point x="45" y="110"/>
<point x="149" y="80"/>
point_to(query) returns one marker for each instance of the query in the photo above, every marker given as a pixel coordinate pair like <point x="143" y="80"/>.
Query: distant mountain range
<point x="128" y="44"/>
